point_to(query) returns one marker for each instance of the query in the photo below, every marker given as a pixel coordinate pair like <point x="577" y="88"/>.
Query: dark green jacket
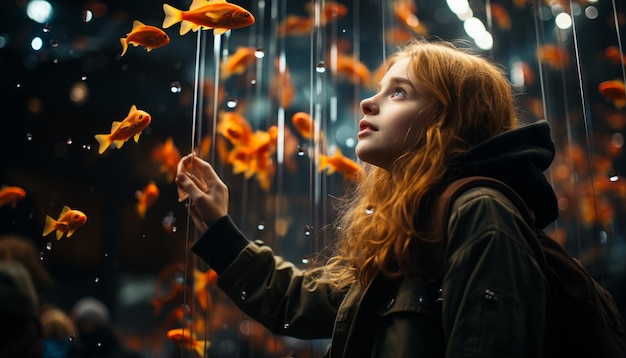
<point x="490" y="302"/>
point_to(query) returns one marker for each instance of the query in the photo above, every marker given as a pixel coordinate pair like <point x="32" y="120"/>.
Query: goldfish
<point x="501" y="15"/>
<point x="150" y="37"/>
<point x="167" y="155"/>
<point x="347" y="66"/>
<point x="613" y="54"/>
<point x="281" y="87"/>
<point x="187" y="339"/>
<point x="146" y="198"/>
<point x="294" y="25"/>
<point x="339" y="163"/>
<point x="201" y="280"/>
<point x="405" y="11"/>
<point x="554" y="56"/>
<point x="304" y="124"/>
<point x="613" y="90"/>
<point x="69" y="220"/>
<point x="218" y="15"/>
<point x="235" y="128"/>
<point x="10" y="195"/>
<point x="331" y="10"/>
<point x="239" y="61"/>
<point x="131" y="127"/>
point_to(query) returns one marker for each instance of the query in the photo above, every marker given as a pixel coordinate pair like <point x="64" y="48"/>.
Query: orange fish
<point x="613" y="54"/>
<point x="281" y="87"/>
<point x="201" y="279"/>
<point x="146" y="198"/>
<point x="150" y="37"/>
<point x="613" y="91"/>
<point x="167" y="155"/>
<point x="239" y="61"/>
<point x="10" y="195"/>
<point x="338" y="163"/>
<point x="501" y="15"/>
<point x="294" y="25"/>
<point x="331" y="10"/>
<point x="304" y="124"/>
<point x="235" y="128"/>
<point x="406" y="11"/>
<point x="218" y="15"/>
<point x="183" y="337"/>
<point x="554" y="56"/>
<point x="349" y="67"/>
<point x="135" y="122"/>
<point x="69" y="220"/>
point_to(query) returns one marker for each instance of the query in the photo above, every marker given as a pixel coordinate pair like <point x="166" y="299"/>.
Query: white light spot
<point x="39" y="11"/>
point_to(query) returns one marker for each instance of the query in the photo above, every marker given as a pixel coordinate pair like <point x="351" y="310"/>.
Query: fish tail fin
<point x="172" y="15"/>
<point x="124" y="42"/>
<point x="49" y="226"/>
<point x="104" y="141"/>
<point x="199" y="347"/>
<point x="185" y="27"/>
<point x="141" y="210"/>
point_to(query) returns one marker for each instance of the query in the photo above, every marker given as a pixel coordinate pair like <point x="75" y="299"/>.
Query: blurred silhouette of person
<point x="22" y="249"/>
<point x="96" y="335"/>
<point x="59" y="332"/>
<point x="20" y="329"/>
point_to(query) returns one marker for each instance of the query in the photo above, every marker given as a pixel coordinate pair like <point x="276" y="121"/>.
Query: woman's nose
<point x="368" y="106"/>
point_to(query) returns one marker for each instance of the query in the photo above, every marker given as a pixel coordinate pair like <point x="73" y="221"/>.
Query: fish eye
<point x="141" y="116"/>
<point x="246" y="14"/>
<point x="76" y="216"/>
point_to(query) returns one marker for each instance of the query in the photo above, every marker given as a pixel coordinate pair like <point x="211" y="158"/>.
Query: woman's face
<point x="391" y="117"/>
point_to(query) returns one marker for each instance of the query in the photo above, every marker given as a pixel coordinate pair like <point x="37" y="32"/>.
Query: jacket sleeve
<point x="494" y="293"/>
<point x="285" y="299"/>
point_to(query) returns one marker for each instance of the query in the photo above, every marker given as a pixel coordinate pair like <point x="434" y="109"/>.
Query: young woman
<point x="440" y="113"/>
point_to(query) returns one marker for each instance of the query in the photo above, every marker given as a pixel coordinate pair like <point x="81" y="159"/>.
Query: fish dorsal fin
<point x="137" y="24"/>
<point x="133" y="108"/>
<point x="197" y="4"/>
<point x="64" y="211"/>
<point x="115" y="125"/>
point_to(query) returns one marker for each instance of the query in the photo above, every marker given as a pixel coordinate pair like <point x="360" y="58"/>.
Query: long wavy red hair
<point x="379" y="219"/>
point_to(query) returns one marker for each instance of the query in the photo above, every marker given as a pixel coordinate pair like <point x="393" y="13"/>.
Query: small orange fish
<point x="304" y="124"/>
<point x="613" y="90"/>
<point x="150" y="37"/>
<point x="239" y="61"/>
<point x="554" y="56"/>
<point x="69" y="220"/>
<point x="218" y="15"/>
<point x="183" y="337"/>
<point x="10" y="195"/>
<point x="132" y="126"/>
<point x="235" y="127"/>
<point x="354" y="71"/>
<point x="201" y="279"/>
<point x="501" y="15"/>
<point x="146" y="198"/>
<point x="294" y="25"/>
<point x="281" y="86"/>
<point x="338" y="163"/>
<point x="406" y="11"/>
<point x="331" y="10"/>
<point x="613" y="54"/>
<point x="167" y="155"/>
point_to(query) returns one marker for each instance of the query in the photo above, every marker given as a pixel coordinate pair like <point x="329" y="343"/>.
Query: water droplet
<point x="253" y="82"/>
<point x="305" y="260"/>
<point x="301" y="149"/>
<point x="307" y="230"/>
<point x="71" y="338"/>
<point x="97" y="280"/>
<point x="174" y="229"/>
<point x="19" y="85"/>
<point x="320" y="67"/>
<point x="369" y="210"/>
<point x="613" y="175"/>
<point x="420" y="299"/>
<point x="49" y="246"/>
<point x="143" y="236"/>
<point x="83" y="77"/>
<point x="54" y="43"/>
<point x="259" y="53"/>
<point x="261" y="226"/>
<point x="42" y="256"/>
<point x="175" y="87"/>
<point x="47" y="28"/>
<point x="69" y="141"/>
<point x="56" y="60"/>
<point x="86" y="147"/>
<point x="99" y="344"/>
<point x="231" y="103"/>
<point x="244" y="295"/>
<point x="29" y="137"/>
<point x="106" y="254"/>
<point x="286" y="325"/>
<point x="87" y="15"/>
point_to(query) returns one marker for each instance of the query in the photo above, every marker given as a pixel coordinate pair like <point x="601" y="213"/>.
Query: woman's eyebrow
<point x="399" y="81"/>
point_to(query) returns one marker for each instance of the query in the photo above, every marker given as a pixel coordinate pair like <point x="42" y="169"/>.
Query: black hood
<point x="519" y="158"/>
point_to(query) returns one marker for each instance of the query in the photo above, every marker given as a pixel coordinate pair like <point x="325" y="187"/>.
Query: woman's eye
<point x="398" y="92"/>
